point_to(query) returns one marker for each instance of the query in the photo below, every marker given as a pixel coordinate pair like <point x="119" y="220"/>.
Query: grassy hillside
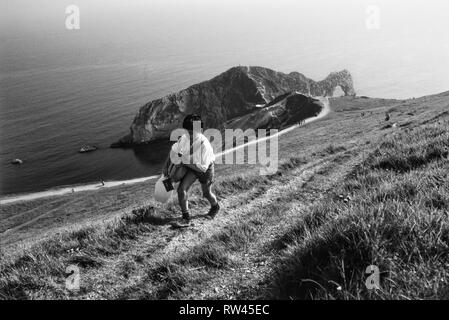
<point x="353" y="190"/>
<point x="390" y="211"/>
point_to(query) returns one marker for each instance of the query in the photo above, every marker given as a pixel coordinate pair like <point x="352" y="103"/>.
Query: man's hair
<point x="188" y="121"/>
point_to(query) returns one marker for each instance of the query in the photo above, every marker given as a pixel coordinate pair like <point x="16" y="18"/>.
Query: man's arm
<point x="171" y="153"/>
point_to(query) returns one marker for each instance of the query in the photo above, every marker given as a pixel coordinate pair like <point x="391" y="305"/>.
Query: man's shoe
<point x="213" y="211"/>
<point x="184" y="223"/>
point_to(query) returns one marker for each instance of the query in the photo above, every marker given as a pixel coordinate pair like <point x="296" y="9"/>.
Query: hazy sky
<point x="348" y="15"/>
<point x="412" y="32"/>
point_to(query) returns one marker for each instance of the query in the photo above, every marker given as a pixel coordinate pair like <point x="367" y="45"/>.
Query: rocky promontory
<point x="237" y="94"/>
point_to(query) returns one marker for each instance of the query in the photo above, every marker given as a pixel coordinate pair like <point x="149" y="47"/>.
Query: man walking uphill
<point x="197" y="156"/>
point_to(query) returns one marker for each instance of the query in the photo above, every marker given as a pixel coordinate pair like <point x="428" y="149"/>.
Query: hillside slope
<point x="353" y="190"/>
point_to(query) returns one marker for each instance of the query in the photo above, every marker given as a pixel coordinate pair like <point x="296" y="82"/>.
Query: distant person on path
<point x="197" y="147"/>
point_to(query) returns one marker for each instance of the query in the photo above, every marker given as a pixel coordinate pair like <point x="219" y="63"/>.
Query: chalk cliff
<point x="238" y="93"/>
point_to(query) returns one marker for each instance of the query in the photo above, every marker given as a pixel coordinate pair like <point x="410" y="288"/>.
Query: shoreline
<point x="109" y="184"/>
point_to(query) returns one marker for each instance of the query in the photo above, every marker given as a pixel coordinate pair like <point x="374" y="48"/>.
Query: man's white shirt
<point x="203" y="153"/>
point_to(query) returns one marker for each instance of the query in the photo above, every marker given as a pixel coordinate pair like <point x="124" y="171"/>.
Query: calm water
<point x="60" y="89"/>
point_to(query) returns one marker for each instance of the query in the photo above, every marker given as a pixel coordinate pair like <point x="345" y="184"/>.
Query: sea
<point x="63" y="88"/>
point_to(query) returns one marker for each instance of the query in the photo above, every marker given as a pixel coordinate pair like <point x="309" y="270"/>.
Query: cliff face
<point x="289" y="109"/>
<point x="237" y="92"/>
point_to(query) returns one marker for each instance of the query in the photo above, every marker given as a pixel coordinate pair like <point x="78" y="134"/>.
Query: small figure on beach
<point x="102" y="183"/>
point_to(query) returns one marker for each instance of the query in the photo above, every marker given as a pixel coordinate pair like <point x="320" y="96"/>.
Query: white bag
<point x="160" y="193"/>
